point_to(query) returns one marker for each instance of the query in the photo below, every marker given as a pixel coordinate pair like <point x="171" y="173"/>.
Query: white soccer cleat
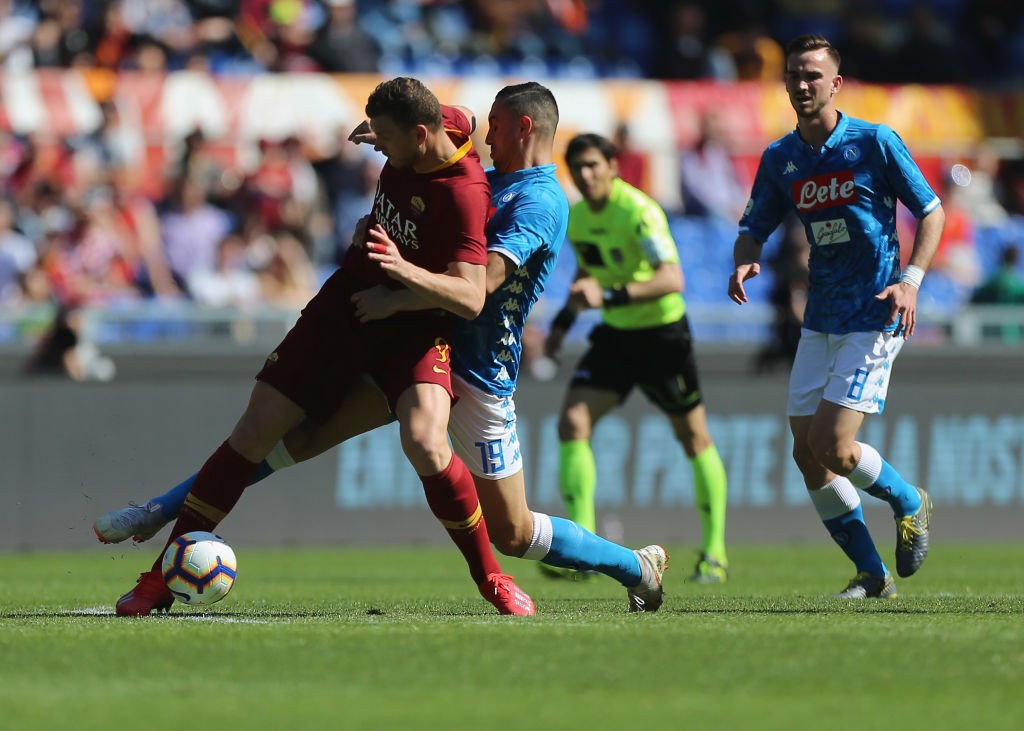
<point x="138" y="522"/>
<point x="648" y="594"/>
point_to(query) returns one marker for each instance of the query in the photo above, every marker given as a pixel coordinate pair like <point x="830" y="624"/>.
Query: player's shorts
<point x="851" y="370"/>
<point x="321" y="357"/>
<point x="658" y="360"/>
<point x="482" y="428"/>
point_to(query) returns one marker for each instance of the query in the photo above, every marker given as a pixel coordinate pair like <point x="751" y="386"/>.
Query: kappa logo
<point x="789" y="169"/>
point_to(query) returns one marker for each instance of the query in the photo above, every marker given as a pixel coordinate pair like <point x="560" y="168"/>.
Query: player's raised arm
<point x="746" y="254"/>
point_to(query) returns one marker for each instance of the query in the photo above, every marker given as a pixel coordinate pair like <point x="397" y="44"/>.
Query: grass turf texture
<point x="398" y="639"/>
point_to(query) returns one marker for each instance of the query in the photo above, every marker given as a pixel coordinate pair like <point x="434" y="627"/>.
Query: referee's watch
<point x="616" y="295"/>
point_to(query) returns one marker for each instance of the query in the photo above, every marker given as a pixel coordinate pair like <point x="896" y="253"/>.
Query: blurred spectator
<point x="287" y="277"/>
<point x="341" y="44"/>
<point x="755" y="55"/>
<point x="956" y="257"/>
<point x="711" y="186"/>
<point x="927" y="54"/>
<point x="284" y="186"/>
<point x="17" y="255"/>
<point x="114" y="144"/>
<point x="401" y="28"/>
<point x="865" y="46"/>
<point x="632" y="162"/>
<point x="61" y="34"/>
<point x="63" y="352"/>
<point x="197" y="161"/>
<point x="993" y="29"/>
<point x="92" y="261"/>
<point x="168" y="21"/>
<point x="1006" y="285"/>
<point x="978" y="187"/>
<point x="349" y="180"/>
<point x="231" y="282"/>
<point x="685" y="52"/>
<point x="504" y="30"/>
<point x="192" y="230"/>
<point x="138" y="217"/>
<point x="16" y="30"/>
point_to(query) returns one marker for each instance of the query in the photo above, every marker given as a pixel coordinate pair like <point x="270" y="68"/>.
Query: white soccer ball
<point x="199" y="568"/>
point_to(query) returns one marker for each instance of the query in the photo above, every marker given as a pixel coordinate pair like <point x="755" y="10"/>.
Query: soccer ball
<point x="199" y="568"/>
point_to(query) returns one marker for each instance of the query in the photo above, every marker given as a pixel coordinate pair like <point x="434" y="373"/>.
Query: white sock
<point x="540" y="545"/>
<point x="835" y="498"/>
<point x="868" y="468"/>
<point x="279" y="458"/>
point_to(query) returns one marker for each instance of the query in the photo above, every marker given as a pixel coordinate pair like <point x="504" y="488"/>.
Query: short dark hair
<point x="812" y="42"/>
<point x="588" y="140"/>
<point x="407" y="101"/>
<point x="534" y="101"/>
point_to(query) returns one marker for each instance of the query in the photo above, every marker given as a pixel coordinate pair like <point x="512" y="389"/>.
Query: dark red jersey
<point x="435" y="218"/>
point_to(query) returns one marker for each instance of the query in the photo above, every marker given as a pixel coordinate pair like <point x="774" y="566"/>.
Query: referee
<point x="628" y="266"/>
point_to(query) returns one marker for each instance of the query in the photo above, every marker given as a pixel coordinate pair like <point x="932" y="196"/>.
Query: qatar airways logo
<point x="825" y="191"/>
<point x="401" y="229"/>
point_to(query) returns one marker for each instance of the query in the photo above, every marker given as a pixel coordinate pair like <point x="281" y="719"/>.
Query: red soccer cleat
<point x="500" y="591"/>
<point x="150" y="593"/>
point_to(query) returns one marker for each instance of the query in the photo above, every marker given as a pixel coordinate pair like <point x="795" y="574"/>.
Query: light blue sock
<point x="880" y="479"/>
<point x="838" y="506"/>
<point x="172" y="500"/>
<point x="562" y="543"/>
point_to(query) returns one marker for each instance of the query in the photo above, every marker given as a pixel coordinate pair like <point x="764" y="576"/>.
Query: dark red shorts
<point x="321" y="358"/>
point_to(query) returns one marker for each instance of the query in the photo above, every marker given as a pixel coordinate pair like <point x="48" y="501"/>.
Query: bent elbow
<point x="474" y="308"/>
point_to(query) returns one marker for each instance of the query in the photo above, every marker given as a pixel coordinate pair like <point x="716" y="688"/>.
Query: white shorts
<point x="482" y="428"/>
<point x="851" y="370"/>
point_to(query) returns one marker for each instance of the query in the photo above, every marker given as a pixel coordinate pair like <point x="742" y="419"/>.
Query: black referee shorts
<point x="658" y="360"/>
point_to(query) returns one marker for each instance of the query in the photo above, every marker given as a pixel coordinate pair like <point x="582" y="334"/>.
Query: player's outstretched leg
<point x="561" y="543"/>
<point x="838" y="505"/>
<point x="142" y="522"/>
<point x="218" y="486"/>
<point x="647" y="596"/>
<point x="138" y="522"/>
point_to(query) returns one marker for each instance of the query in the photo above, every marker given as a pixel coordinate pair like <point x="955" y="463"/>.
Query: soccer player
<point x="426" y="235"/>
<point x="628" y="267"/>
<point x="842" y="177"/>
<point x="524" y="234"/>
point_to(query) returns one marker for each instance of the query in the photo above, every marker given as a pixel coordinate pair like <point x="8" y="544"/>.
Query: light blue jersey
<point x="845" y="195"/>
<point x="527" y="225"/>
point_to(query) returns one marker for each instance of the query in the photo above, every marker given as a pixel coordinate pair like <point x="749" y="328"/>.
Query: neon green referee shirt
<point x="624" y="242"/>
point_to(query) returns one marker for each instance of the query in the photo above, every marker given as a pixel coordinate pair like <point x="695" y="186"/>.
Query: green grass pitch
<point x="397" y="638"/>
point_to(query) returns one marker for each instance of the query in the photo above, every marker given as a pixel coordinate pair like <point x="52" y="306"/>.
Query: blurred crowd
<point x="81" y="224"/>
<point x="934" y="41"/>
